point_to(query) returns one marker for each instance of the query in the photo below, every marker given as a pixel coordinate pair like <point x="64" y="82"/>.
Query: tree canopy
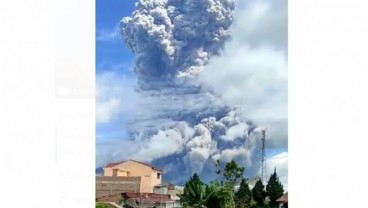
<point x="221" y="193"/>
<point x="231" y="175"/>
<point x="101" y="205"/>
<point x="258" y="193"/>
<point x="195" y="193"/>
<point x="219" y="197"/>
<point x="243" y="196"/>
<point x="274" y="189"/>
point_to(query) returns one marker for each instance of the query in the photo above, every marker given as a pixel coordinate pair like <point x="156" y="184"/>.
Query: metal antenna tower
<point x="263" y="151"/>
<point x="263" y="165"/>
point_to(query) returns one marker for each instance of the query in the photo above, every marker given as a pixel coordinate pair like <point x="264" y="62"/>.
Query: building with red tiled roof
<point x="283" y="200"/>
<point x="143" y="163"/>
<point x="111" y="165"/>
<point x="149" y="176"/>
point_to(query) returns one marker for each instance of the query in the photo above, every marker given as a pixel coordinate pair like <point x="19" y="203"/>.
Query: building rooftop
<point x="146" y="164"/>
<point x="164" y="185"/>
<point x="148" y="196"/>
<point x="283" y="198"/>
<point x="111" y="165"/>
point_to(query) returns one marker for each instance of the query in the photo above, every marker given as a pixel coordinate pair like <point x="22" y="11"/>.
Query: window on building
<point x="115" y="172"/>
<point x="158" y="175"/>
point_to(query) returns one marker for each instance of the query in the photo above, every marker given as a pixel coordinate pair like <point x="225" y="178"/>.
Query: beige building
<point x="110" y="185"/>
<point x="149" y="175"/>
<point x="169" y="189"/>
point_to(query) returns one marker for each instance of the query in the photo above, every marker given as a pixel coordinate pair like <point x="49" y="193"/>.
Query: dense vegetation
<point x="230" y="190"/>
<point x="101" y="205"/>
<point x="274" y="189"/>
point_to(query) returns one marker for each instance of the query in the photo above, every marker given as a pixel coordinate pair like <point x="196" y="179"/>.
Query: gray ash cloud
<point x="172" y="38"/>
<point x="178" y="124"/>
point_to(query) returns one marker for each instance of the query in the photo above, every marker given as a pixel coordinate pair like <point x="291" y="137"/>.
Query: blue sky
<point x="111" y="54"/>
<point x="110" y="51"/>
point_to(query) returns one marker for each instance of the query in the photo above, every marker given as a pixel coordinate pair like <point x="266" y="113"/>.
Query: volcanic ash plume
<point x="178" y="125"/>
<point x="174" y="38"/>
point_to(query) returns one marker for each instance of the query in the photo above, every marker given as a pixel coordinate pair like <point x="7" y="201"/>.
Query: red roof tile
<point x="111" y="165"/>
<point x="283" y="198"/>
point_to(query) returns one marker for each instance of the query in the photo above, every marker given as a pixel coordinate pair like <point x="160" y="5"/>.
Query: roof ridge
<point x="147" y="164"/>
<point x="143" y="163"/>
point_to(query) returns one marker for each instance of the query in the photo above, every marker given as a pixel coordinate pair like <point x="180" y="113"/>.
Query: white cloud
<point x="251" y="73"/>
<point x="114" y="151"/>
<point x="197" y="157"/>
<point x="107" y="34"/>
<point x="165" y="142"/>
<point x="201" y="146"/>
<point x="236" y="131"/>
<point x="161" y="144"/>
<point x="107" y="109"/>
<point x="115" y="96"/>
<point x="254" y="80"/>
<point x="202" y="139"/>
<point x="260" y="22"/>
<point x="229" y="154"/>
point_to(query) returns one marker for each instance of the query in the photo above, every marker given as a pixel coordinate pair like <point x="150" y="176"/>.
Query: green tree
<point x="274" y="189"/>
<point x="219" y="197"/>
<point x="243" y="196"/>
<point x="101" y="205"/>
<point x="258" y="193"/>
<point x="231" y="175"/>
<point x="195" y="193"/>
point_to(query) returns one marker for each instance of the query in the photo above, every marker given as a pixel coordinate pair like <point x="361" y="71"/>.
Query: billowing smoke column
<point x="175" y="38"/>
<point x="178" y="125"/>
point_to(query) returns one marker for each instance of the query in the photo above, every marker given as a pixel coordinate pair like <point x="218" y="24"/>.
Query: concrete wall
<point x="161" y="190"/>
<point x="173" y="191"/>
<point x="155" y="181"/>
<point x="135" y="169"/>
<point x="107" y="171"/>
<point x="110" y="185"/>
<point x="122" y="173"/>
